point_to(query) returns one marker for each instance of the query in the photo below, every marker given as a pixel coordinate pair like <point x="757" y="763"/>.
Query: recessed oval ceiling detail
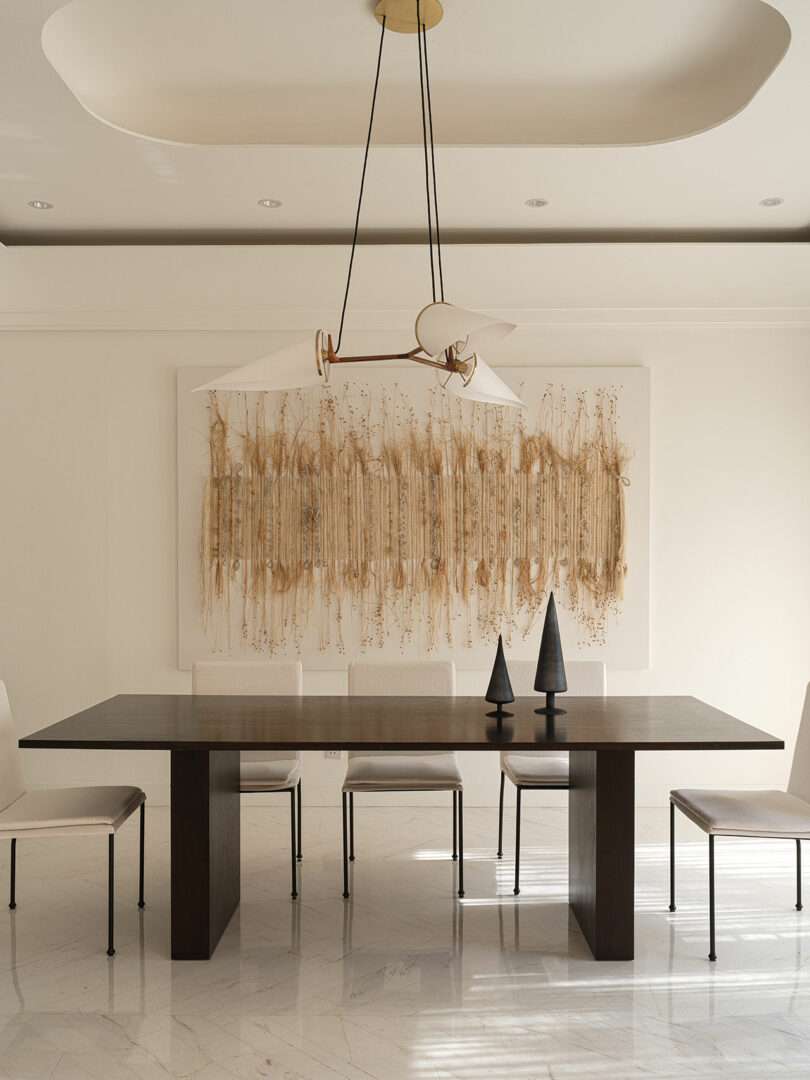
<point x="516" y="73"/>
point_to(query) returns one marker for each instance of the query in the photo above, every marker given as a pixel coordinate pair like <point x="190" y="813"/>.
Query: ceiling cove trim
<point x="145" y="69"/>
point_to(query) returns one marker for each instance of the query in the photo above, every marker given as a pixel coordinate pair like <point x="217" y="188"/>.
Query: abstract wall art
<point x="385" y="517"/>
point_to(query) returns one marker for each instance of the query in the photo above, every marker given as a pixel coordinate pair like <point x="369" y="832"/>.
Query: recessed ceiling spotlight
<point x="40" y="204"/>
<point x="772" y="200"/>
<point x="536" y="203"/>
<point x="270" y="204"/>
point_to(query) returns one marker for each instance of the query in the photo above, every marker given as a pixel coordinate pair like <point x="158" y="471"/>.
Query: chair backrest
<point x="409" y="678"/>
<point x="282" y="677"/>
<point x="12" y="785"/>
<point x="586" y="678"/>
<point x="247" y="677"/>
<point x="799" y="783"/>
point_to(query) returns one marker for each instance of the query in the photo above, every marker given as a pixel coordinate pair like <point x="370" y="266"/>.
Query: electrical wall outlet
<point x="333" y="754"/>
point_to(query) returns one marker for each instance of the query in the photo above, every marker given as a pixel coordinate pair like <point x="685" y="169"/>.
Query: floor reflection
<point x="15" y="979"/>
<point x="403" y="980"/>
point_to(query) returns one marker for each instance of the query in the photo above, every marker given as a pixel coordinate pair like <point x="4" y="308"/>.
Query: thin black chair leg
<point x="111" y="896"/>
<point x="672" y="856"/>
<point x="141" y="900"/>
<point x="455" y="825"/>
<point x="293" y="861"/>
<point x="712" y="953"/>
<point x="345" y="847"/>
<point x="12" y="896"/>
<point x="461" y="843"/>
<point x="516" y="889"/>
<point x="351" y="826"/>
<point x="500" y="819"/>
<point x="798" y="874"/>
<point x="300" y="827"/>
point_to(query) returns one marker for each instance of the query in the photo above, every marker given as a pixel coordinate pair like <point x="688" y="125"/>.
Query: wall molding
<point x="248" y="288"/>
<point x="303" y="320"/>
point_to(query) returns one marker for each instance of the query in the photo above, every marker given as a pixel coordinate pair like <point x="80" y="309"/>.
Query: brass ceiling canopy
<point x="400" y="15"/>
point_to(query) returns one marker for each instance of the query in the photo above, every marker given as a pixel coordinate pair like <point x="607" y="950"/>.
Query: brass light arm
<point x="451" y="364"/>
<point x="334" y="359"/>
<point x="326" y="351"/>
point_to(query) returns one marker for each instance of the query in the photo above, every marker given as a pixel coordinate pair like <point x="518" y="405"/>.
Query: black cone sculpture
<point x="499" y="692"/>
<point x="550" y="678"/>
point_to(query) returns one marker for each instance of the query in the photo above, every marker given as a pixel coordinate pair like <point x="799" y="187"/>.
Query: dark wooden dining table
<point x="205" y="735"/>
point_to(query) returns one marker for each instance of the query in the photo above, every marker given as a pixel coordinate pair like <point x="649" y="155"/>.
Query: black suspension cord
<point x="425" y="145"/>
<point x="362" y="185"/>
<point x="433" y="163"/>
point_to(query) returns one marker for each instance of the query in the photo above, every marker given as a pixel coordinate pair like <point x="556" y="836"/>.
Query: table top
<point x="185" y="722"/>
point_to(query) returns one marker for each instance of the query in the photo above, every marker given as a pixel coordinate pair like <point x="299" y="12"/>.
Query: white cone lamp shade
<point x="438" y="326"/>
<point x="291" y="368"/>
<point x="484" y="386"/>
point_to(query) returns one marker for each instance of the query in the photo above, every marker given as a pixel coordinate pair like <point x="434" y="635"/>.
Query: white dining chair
<point x="782" y="815"/>
<point x="397" y="770"/>
<point x="542" y="770"/>
<point x="262" y="771"/>
<point x="56" y="813"/>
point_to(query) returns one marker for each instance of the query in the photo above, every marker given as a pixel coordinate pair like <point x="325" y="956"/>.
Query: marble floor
<point x="403" y="981"/>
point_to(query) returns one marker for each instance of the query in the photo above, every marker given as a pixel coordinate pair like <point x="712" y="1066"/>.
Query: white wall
<point x="87" y="492"/>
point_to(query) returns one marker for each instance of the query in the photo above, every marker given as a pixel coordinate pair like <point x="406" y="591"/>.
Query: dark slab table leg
<point x="601" y="849"/>
<point x="205" y="849"/>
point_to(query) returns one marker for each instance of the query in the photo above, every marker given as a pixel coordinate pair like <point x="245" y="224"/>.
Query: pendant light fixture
<point x="449" y="339"/>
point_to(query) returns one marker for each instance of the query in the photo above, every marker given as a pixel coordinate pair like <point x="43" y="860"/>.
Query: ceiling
<point x="624" y="73"/>
<point x="642" y="119"/>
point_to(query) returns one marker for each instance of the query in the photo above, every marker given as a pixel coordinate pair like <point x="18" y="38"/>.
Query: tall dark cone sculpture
<point x="550" y="678"/>
<point x="499" y="691"/>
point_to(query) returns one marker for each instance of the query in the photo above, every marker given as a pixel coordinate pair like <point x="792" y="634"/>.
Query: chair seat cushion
<point x="745" y="813"/>
<point x="269" y="774"/>
<point x="538" y="768"/>
<point x="400" y="771"/>
<point x="79" y="810"/>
